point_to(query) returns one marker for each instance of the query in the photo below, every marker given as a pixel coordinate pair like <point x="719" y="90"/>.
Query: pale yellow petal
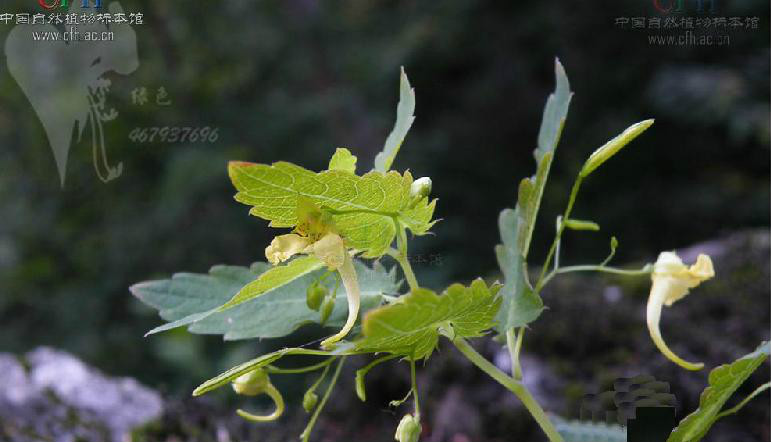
<point x="284" y="247"/>
<point x="331" y="250"/>
<point x="671" y="282"/>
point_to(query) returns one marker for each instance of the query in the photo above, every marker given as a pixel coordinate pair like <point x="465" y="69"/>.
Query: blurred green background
<point x="292" y="80"/>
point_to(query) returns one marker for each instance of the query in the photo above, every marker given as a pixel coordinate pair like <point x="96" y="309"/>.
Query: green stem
<point x="741" y="404"/>
<point x="555" y="243"/>
<point x="512" y="385"/>
<point x="306" y="434"/>
<point x="401" y="256"/>
<point x="277" y="370"/>
<point x="646" y="270"/>
<point x="415" y="389"/>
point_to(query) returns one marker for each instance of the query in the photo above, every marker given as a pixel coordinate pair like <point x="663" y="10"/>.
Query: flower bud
<point x="408" y="430"/>
<point x="420" y="188"/>
<point x="310" y="400"/>
<point x="613" y="146"/>
<point x="326" y="309"/>
<point x="252" y="383"/>
<point x="314" y="296"/>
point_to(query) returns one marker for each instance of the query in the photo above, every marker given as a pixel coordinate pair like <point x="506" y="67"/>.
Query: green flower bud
<point x="252" y="383"/>
<point x="420" y="188"/>
<point x="577" y="224"/>
<point x="613" y="146"/>
<point x="310" y="400"/>
<point x="314" y="296"/>
<point x="326" y="309"/>
<point x="408" y="430"/>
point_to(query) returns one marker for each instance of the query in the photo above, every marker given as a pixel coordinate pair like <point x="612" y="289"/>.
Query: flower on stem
<point x="409" y="429"/>
<point x="671" y="281"/>
<point x="316" y="235"/>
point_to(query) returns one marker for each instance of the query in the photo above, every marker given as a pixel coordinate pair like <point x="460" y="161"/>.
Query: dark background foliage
<point x="292" y="80"/>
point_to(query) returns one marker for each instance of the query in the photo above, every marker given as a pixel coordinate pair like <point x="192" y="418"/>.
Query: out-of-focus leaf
<point x="723" y="382"/>
<point x="580" y="431"/>
<point x="274" y="314"/>
<point x="410" y="327"/>
<point x="405" y="116"/>
<point x="520" y="305"/>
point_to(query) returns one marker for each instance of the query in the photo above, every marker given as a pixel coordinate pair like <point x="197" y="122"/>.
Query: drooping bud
<point x="314" y="296"/>
<point x="252" y="383"/>
<point x="408" y="430"/>
<point x="310" y="399"/>
<point x="326" y="310"/>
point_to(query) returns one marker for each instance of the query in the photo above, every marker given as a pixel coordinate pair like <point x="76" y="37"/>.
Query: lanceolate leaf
<point x="365" y="208"/>
<point x="723" y="382"/>
<point x="520" y="304"/>
<point x="274" y="314"/>
<point x="411" y="326"/>
<point x="249" y="366"/>
<point x="405" y="111"/>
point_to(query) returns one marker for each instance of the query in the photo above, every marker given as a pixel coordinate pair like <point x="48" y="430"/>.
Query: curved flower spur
<point x="671" y="281"/>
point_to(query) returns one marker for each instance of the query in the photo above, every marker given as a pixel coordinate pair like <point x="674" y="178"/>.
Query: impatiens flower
<point x="671" y="281"/>
<point x="316" y="236"/>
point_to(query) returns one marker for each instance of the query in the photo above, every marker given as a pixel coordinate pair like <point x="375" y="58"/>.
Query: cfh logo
<point x="63" y="4"/>
<point x="680" y="6"/>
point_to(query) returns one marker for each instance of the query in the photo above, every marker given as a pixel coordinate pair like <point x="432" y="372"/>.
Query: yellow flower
<point x="671" y="281"/>
<point x="329" y="248"/>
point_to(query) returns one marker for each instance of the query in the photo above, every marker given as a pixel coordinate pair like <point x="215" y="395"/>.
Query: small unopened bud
<point x="314" y="296"/>
<point x="577" y="224"/>
<point x="326" y="309"/>
<point x="252" y="383"/>
<point x="310" y="400"/>
<point x="408" y="430"/>
<point x="420" y="188"/>
<point x="613" y="146"/>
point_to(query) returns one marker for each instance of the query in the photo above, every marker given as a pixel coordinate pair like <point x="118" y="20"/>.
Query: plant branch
<point x="512" y="385"/>
<point x="306" y="434"/>
<point x="558" y="236"/>
<point x="645" y="270"/>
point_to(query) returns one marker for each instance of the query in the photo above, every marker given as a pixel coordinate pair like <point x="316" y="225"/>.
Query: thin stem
<point x="415" y="389"/>
<point x="512" y="385"/>
<point x="555" y="243"/>
<point x="277" y="370"/>
<point x="306" y="434"/>
<point x="401" y="257"/>
<point x="275" y="395"/>
<point x="646" y="270"/>
<point x="741" y="404"/>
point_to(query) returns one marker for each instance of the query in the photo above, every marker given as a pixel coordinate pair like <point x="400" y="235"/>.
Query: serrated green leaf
<point x="410" y="327"/>
<point x="273" y="314"/>
<point x="249" y="366"/>
<point x="520" y="305"/>
<point x="405" y="116"/>
<point x="343" y="160"/>
<point x="364" y="209"/>
<point x="723" y="382"/>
